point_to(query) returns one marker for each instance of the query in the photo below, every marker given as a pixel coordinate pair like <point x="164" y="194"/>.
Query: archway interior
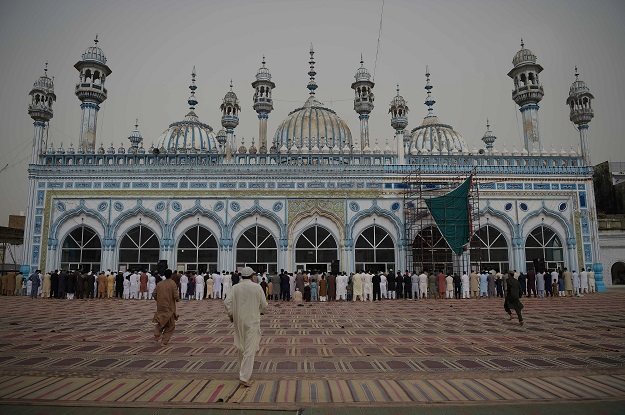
<point x="197" y="250"/>
<point x="618" y="273"/>
<point x="81" y="250"/>
<point x="374" y="250"/>
<point x="489" y="250"/>
<point x="543" y="246"/>
<point x="430" y="252"/>
<point x="257" y="248"/>
<point x="315" y="250"/>
<point x="139" y="249"/>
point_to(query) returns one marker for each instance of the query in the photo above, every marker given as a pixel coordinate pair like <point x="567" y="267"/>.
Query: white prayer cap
<point x="247" y="272"/>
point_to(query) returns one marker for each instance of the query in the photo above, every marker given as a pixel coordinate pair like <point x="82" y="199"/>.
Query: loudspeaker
<point x="161" y="266"/>
<point x="334" y="268"/>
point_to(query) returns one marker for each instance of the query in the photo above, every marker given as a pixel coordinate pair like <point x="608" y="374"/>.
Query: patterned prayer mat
<point x="403" y="352"/>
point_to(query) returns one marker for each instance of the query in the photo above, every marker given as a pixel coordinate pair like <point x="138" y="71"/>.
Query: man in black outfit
<point x="376" y="286"/>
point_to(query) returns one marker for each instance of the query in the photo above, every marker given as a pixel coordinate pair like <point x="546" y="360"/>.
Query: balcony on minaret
<point x="91" y="90"/>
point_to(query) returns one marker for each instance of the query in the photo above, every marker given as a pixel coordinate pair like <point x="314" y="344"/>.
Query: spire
<point x="312" y="85"/>
<point x="576" y="72"/>
<point x="430" y="100"/>
<point x="136" y="123"/>
<point x="522" y="44"/>
<point x="96" y="39"/>
<point x="230" y="84"/>
<point x="264" y="61"/>
<point x="45" y="70"/>
<point x="192" y="101"/>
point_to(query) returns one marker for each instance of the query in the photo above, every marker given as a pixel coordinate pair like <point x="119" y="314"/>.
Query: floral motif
<point x="235" y="206"/>
<point x="219" y="206"/>
<point x="118" y="206"/>
<point x="176" y="206"/>
<point x="60" y="207"/>
<point x="159" y="206"/>
<point x="395" y="206"/>
<point x="355" y="207"/>
<point x="102" y="206"/>
<point x="277" y="207"/>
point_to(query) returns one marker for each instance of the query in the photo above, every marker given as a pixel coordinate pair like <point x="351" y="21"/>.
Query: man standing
<point x="102" y="290"/>
<point x="244" y="306"/>
<point x="80" y="285"/>
<point x="466" y="292"/>
<point x="449" y="285"/>
<point x="119" y="285"/>
<point x="217" y="278"/>
<point x="457" y="286"/>
<point x="375" y="281"/>
<point x="390" y="285"/>
<point x="568" y="282"/>
<point x="583" y="282"/>
<point x="423" y="285"/>
<point x="540" y="284"/>
<point x="441" y="282"/>
<point x="110" y="284"/>
<point x="166" y="296"/>
<point x="199" y="286"/>
<point x="513" y="295"/>
<point x="90" y="284"/>
<point x="474" y="284"/>
<point x="432" y="291"/>
<point x="34" y="279"/>
<point x="331" y="287"/>
<point x="357" y="287"/>
<point x="531" y="283"/>
<point x="591" y="280"/>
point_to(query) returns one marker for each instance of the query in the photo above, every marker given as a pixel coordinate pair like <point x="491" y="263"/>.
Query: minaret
<point x="263" y="103"/>
<point x="91" y="92"/>
<point x="135" y="137"/>
<point x="363" y="101"/>
<point x="399" y="121"/>
<point x="230" y="116"/>
<point x="580" y="102"/>
<point x="527" y="93"/>
<point x="489" y="138"/>
<point x="40" y="110"/>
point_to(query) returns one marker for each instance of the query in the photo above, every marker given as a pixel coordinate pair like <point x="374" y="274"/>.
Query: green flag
<point x="452" y="216"/>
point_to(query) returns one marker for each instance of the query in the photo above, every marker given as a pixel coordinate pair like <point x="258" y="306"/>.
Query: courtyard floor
<point x="389" y="357"/>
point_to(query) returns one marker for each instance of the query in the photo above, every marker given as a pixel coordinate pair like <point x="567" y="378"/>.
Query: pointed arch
<point x="488" y="210"/>
<point x="544" y="210"/>
<point x="197" y="209"/>
<point x="139" y="209"/>
<point x="81" y="209"/>
<point x="255" y="210"/>
<point x="377" y="211"/>
<point x="317" y="212"/>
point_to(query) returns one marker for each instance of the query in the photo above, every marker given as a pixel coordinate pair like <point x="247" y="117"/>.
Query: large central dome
<point x="313" y="125"/>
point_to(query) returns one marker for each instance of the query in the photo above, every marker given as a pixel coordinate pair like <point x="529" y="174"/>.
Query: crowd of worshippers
<point x="303" y="286"/>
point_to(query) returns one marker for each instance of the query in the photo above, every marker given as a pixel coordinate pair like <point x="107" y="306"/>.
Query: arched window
<point x="374" y="250"/>
<point x="489" y="250"/>
<point x="430" y="251"/>
<point x="81" y="249"/>
<point x="197" y="250"/>
<point x="139" y="249"/>
<point x="543" y="244"/>
<point x="257" y="248"/>
<point x="315" y="249"/>
<point x="618" y="273"/>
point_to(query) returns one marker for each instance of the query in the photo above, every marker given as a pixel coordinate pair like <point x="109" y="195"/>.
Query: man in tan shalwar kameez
<point x="10" y="289"/>
<point x="166" y="296"/>
<point x="110" y="284"/>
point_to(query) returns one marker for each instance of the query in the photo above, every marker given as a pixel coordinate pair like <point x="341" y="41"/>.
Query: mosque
<point x="313" y="196"/>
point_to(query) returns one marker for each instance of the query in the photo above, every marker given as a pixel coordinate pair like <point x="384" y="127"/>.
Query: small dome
<point x="71" y="149"/>
<point x="44" y="82"/>
<point x="573" y="153"/>
<point x="524" y="152"/>
<point x="188" y="133"/>
<point x="563" y="151"/>
<point x="578" y="87"/>
<point x="141" y="150"/>
<point x="111" y="149"/>
<point x="523" y="56"/>
<point x="313" y="122"/>
<point x="121" y="150"/>
<point x="94" y="54"/>
<point x="263" y="73"/>
<point x="554" y="152"/>
<point x="231" y="97"/>
<point x="242" y="149"/>
<point x="100" y="150"/>
<point x="436" y="136"/>
<point x="253" y="149"/>
<point x="362" y="74"/>
<point x="51" y="148"/>
<point x="61" y="150"/>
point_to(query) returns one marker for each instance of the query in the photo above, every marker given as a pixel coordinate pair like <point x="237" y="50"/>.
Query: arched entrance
<point x="197" y="250"/>
<point x="430" y="251"/>
<point x="81" y="249"/>
<point x="618" y="273"/>
<point x="542" y="244"/>
<point x="257" y="248"/>
<point x="139" y="249"/>
<point x="315" y="249"/>
<point x="489" y="250"/>
<point x="374" y="250"/>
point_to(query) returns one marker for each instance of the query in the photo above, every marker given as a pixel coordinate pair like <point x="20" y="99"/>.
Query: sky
<point x="152" y="46"/>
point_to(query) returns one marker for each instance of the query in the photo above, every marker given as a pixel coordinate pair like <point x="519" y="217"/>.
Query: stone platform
<point x="403" y="353"/>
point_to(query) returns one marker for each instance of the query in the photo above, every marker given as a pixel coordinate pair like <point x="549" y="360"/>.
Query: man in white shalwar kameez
<point x="244" y="305"/>
<point x="357" y="286"/>
<point x="341" y="287"/>
<point x="226" y="284"/>
<point x="184" y="283"/>
<point x="199" y="286"/>
<point x="217" y="284"/>
<point x="383" y="281"/>
<point x="368" y="286"/>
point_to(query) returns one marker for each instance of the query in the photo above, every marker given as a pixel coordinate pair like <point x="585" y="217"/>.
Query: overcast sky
<point x="152" y="47"/>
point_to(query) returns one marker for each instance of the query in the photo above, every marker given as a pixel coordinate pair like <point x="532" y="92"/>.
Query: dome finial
<point x="398" y="89"/>
<point x="362" y="62"/>
<point x="487" y="124"/>
<point x="576" y="73"/>
<point x="45" y="70"/>
<point x="522" y="44"/>
<point x="428" y="87"/>
<point x="230" y="84"/>
<point x="312" y="85"/>
<point x="264" y="61"/>
<point x="136" y="123"/>
<point x="192" y="101"/>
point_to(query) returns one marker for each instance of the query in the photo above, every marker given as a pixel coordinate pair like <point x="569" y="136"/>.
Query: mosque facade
<point x="313" y="195"/>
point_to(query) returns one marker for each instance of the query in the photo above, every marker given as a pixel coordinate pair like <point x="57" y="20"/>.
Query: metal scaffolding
<point x="426" y="248"/>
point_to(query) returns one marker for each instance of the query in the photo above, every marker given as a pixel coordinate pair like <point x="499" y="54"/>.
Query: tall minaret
<point x="399" y="121"/>
<point x="580" y="100"/>
<point x="363" y="101"/>
<point x="91" y="92"/>
<point x="527" y="93"/>
<point x="40" y="110"/>
<point x="230" y="116"/>
<point x="263" y="104"/>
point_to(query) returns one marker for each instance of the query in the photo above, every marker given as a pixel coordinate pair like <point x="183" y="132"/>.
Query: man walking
<point x="244" y="305"/>
<point x="513" y="295"/>
<point x="166" y="296"/>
